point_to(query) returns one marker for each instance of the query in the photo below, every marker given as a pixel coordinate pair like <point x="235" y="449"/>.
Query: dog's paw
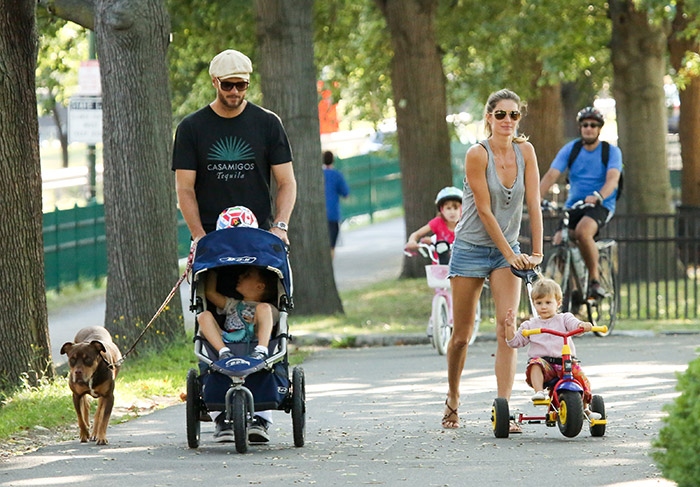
<point x="102" y="441"/>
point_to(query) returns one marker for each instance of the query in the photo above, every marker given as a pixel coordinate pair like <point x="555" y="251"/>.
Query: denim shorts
<point x="469" y="260"/>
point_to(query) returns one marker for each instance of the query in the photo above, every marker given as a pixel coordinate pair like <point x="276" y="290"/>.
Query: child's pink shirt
<point x="439" y="227"/>
<point x="544" y="344"/>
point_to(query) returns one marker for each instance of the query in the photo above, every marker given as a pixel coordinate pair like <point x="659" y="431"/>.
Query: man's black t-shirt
<point x="232" y="157"/>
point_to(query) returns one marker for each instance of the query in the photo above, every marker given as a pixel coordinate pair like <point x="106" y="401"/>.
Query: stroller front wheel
<point x="240" y="421"/>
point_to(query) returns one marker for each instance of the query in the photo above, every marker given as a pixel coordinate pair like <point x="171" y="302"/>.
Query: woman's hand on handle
<point x="520" y="261"/>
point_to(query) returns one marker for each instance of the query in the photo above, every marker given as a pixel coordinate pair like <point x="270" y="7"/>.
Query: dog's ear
<point x="66" y="348"/>
<point x="99" y="346"/>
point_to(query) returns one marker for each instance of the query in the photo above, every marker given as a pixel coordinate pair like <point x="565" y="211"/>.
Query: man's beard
<point x="589" y="141"/>
<point x="230" y="104"/>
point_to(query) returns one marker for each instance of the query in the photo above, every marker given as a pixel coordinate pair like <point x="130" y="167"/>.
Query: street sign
<point x="85" y="119"/>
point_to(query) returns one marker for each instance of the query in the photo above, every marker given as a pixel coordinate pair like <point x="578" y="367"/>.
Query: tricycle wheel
<point x="298" y="406"/>
<point x="500" y="417"/>
<point x="240" y="421"/>
<point x="193" y="412"/>
<point x="570" y="417"/>
<point x="598" y="406"/>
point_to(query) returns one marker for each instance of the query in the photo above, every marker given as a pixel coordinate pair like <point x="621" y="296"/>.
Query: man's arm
<point x="286" y="196"/>
<point x="548" y="180"/>
<point x="187" y="199"/>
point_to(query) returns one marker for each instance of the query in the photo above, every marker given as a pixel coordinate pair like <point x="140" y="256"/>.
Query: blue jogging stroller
<point x="240" y="385"/>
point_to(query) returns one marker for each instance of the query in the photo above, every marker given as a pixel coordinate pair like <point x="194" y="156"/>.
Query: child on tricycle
<point x="553" y="366"/>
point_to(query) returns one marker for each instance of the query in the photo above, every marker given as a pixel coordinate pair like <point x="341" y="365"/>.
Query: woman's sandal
<point x="515" y="427"/>
<point x="448" y="423"/>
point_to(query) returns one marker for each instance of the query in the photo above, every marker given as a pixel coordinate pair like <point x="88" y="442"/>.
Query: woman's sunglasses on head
<point x="229" y="85"/>
<point x="501" y="114"/>
<point x="590" y="124"/>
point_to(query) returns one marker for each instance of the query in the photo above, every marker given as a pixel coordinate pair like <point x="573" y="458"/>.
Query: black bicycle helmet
<point x="590" y="112"/>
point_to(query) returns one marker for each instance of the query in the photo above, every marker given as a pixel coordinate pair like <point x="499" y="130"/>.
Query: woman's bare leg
<point x="465" y="297"/>
<point x="505" y="288"/>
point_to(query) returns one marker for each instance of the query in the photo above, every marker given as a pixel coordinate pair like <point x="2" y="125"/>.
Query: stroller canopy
<point x="243" y="246"/>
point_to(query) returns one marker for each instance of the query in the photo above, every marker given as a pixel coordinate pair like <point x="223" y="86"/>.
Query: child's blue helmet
<point x="449" y="193"/>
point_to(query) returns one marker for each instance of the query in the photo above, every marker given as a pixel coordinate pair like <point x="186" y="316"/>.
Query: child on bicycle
<point x="449" y="205"/>
<point x="544" y="354"/>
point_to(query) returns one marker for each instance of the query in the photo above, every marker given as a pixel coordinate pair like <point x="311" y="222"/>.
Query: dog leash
<point x="188" y="268"/>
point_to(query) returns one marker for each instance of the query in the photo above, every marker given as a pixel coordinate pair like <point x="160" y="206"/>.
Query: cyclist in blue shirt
<point x="336" y="186"/>
<point x="592" y="179"/>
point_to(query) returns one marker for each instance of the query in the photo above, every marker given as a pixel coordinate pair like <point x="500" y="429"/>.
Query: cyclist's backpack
<point x="605" y="156"/>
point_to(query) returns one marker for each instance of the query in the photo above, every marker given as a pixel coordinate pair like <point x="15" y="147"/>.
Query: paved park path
<point x="374" y="419"/>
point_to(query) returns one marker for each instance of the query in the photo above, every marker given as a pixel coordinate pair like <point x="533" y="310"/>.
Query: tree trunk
<point x="543" y="124"/>
<point x="139" y="189"/>
<point x="638" y="53"/>
<point x="24" y="332"/>
<point x="288" y="78"/>
<point x="62" y="134"/>
<point x="689" y="123"/>
<point x="418" y="83"/>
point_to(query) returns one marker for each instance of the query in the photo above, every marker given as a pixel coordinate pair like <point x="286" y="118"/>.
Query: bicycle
<point x="440" y="324"/>
<point x="567" y="267"/>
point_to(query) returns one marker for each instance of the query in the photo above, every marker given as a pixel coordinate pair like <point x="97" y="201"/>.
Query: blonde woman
<point x="501" y="173"/>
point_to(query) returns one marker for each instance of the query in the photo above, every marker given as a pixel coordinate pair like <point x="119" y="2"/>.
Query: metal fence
<point x="658" y="274"/>
<point x="75" y="246"/>
<point x="375" y="180"/>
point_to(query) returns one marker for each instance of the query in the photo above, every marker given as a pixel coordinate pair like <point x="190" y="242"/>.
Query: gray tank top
<point x="506" y="204"/>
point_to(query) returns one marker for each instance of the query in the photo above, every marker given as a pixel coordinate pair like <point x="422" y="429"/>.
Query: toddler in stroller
<point x="243" y="366"/>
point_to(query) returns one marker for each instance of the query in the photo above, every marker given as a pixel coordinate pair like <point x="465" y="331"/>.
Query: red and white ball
<point x="236" y="216"/>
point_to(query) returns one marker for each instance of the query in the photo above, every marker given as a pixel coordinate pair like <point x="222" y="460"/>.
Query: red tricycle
<point x="565" y="402"/>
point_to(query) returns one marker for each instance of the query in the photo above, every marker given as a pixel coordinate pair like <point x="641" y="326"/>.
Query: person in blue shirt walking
<point x="336" y="186"/>
<point x="594" y="176"/>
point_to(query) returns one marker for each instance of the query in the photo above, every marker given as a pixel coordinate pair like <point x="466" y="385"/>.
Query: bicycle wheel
<point x="604" y="310"/>
<point x="558" y="269"/>
<point x="477" y="322"/>
<point x="442" y="330"/>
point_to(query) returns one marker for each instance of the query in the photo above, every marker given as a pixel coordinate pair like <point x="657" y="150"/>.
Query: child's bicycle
<point x="565" y="402"/>
<point x="440" y="325"/>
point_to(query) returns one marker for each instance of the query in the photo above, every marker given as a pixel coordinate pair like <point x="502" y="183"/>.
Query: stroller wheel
<point x="240" y="421"/>
<point x="193" y="412"/>
<point x="298" y="406"/>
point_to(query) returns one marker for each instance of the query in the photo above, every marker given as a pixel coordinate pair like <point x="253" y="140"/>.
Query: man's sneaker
<point x="539" y="396"/>
<point x="257" y="431"/>
<point x="596" y="291"/>
<point x="258" y="355"/>
<point x="224" y="431"/>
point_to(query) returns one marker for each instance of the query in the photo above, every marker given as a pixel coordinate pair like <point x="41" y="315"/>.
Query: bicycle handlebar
<point x="537" y="331"/>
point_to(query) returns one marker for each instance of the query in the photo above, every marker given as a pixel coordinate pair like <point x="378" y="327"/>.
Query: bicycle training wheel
<point x="442" y="329"/>
<point x="558" y="269"/>
<point x="604" y="311"/>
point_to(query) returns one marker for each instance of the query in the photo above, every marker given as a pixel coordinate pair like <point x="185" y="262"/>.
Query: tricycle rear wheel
<point x="500" y="417"/>
<point x="598" y="406"/>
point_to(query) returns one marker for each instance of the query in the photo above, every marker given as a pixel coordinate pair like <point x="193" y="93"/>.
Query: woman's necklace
<point x="501" y="158"/>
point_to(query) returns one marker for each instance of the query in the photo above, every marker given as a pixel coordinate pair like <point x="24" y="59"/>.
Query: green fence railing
<point x="375" y="181"/>
<point x="75" y="246"/>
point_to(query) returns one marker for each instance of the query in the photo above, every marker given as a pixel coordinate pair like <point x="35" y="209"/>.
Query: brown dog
<point x="93" y="360"/>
